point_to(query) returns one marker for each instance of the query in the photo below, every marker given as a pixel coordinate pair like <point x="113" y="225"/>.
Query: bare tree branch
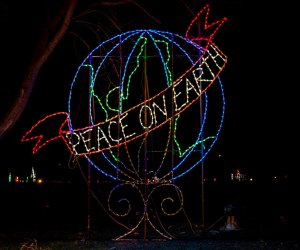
<point x="51" y="36"/>
<point x="54" y="31"/>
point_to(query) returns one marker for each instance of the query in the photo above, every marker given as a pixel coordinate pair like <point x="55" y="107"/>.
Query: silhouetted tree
<point x="57" y="24"/>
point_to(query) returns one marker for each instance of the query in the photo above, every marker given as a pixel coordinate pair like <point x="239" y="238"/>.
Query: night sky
<point x="258" y="79"/>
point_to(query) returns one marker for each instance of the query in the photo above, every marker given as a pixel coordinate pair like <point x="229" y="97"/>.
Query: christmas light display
<point x="138" y="113"/>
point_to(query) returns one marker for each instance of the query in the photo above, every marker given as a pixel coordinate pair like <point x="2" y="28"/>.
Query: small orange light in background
<point x="40" y="181"/>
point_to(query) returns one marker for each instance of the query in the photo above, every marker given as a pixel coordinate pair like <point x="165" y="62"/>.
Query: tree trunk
<point x="54" y="31"/>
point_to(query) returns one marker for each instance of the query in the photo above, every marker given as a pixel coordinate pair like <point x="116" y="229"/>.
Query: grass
<point x="102" y="240"/>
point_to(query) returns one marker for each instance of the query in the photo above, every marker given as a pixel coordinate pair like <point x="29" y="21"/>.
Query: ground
<point x="212" y="240"/>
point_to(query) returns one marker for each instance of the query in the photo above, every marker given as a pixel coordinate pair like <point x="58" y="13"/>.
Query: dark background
<point x="259" y="132"/>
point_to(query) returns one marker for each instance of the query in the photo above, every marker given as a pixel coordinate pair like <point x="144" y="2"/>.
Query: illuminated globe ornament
<point x="139" y="112"/>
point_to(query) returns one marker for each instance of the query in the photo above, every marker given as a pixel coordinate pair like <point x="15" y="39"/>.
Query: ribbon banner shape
<point x="161" y="108"/>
